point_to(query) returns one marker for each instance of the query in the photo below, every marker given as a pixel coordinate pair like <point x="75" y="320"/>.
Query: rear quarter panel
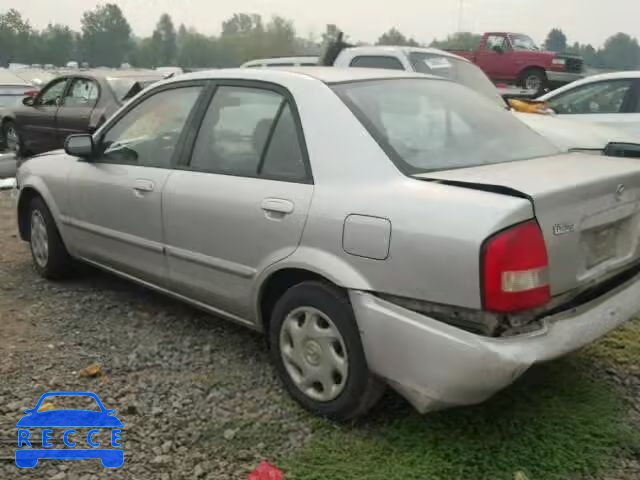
<point x="436" y="232"/>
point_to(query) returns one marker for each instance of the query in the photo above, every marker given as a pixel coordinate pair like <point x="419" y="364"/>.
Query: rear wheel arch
<point x="276" y="284"/>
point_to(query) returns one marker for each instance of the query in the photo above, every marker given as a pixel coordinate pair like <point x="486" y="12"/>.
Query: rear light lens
<point x="31" y="93"/>
<point x="515" y="269"/>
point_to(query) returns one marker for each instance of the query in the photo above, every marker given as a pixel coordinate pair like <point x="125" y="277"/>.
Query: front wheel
<point x="50" y="256"/>
<point x="316" y="348"/>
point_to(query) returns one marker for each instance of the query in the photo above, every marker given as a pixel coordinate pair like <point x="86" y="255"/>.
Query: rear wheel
<point x="316" y="348"/>
<point x="534" y="79"/>
<point x="11" y="138"/>
<point x="50" y="256"/>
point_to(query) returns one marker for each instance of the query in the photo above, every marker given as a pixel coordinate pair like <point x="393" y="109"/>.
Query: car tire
<point x="316" y="348"/>
<point x="50" y="256"/>
<point x="11" y="139"/>
<point x="534" y="79"/>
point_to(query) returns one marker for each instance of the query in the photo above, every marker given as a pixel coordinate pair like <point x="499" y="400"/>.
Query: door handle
<point x="142" y="185"/>
<point x="277" y="205"/>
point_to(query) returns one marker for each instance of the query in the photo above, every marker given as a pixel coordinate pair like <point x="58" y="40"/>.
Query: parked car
<point x="435" y="244"/>
<point x="72" y="103"/>
<point x="13" y="90"/>
<point x="304" y="61"/>
<point x="515" y="57"/>
<point x="611" y="99"/>
<point x="563" y="133"/>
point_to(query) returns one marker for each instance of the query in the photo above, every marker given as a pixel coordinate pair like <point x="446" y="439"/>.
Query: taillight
<point x="515" y="269"/>
<point x="31" y="93"/>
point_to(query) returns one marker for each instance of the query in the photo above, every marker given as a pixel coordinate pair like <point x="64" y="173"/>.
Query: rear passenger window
<point x="386" y="62"/>
<point x="234" y="131"/>
<point x="283" y="158"/>
<point x="249" y="132"/>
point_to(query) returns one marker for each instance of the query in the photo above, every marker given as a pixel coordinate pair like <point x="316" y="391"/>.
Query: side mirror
<point x="28" y="101"/>
<point x="80" y="145"/>
<point x="497" y="49"/>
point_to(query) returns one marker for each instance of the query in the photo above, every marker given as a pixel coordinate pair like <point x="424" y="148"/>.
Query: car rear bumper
<point x="435" y="365"/>
<point x="563" y="77"/>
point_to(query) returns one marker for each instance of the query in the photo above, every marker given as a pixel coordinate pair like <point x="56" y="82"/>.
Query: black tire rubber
<point x="540" y="74"/>
<point x="362" y="389"/>
<point x="59" y="262"/>
<point x="5" y="125"/>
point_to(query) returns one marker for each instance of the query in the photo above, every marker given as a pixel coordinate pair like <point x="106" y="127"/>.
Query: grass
<point x="621" y="348"/>
<point x="558" y="422"/>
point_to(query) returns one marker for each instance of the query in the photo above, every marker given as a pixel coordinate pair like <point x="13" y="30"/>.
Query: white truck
<point x="564" y="133"/>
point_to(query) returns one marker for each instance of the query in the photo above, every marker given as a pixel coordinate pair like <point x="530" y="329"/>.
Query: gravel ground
<point x="197" y="395"/>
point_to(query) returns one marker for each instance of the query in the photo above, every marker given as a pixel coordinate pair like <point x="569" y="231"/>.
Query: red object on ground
<point x="266" y="471"/>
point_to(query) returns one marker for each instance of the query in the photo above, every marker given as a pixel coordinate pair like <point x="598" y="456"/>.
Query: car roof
<point x="377" y="49"/>
<point x="327" y="75"/>
<point x="630" y="74"/>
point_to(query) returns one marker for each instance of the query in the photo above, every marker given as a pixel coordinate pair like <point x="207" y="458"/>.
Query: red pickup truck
<point x="515" y="58"/>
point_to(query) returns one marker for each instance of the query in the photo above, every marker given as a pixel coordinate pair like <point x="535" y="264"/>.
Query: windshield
<point x="457" y="70"/>
<point x="429" y="125"/>
<point x="523" y="42"/>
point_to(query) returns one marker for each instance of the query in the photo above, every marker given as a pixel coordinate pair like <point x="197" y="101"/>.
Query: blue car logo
<point x="29" y="452"/>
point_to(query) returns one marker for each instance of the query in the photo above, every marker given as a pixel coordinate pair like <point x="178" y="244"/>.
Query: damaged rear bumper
<point x="435" y="365"/>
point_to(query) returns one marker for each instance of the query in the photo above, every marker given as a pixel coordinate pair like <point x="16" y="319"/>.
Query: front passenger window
<point x="51" y="96"/>
<point x="148" y="134"/>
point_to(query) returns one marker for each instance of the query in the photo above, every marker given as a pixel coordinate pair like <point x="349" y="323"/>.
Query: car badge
<point x="620" y="192"/>
<point x="563" y="228"/>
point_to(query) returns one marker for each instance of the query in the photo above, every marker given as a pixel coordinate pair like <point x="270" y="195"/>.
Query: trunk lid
<point x="588" y="208"/>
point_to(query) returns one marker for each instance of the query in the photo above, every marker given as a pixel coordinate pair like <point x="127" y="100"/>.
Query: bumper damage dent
<point x="435" y="366"/>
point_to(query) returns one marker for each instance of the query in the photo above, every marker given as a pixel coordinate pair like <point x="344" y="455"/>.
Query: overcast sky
<point x="588" y="21"/>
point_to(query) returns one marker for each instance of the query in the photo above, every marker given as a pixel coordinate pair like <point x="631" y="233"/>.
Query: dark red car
<point x="78" y="102"/>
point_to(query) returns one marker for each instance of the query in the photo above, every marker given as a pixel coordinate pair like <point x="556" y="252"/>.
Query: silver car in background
<point x="381" y="227"/>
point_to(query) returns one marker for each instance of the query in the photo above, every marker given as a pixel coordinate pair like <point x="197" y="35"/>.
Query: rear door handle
<point x="277" y="205"/>
<point x="142" y="185"/>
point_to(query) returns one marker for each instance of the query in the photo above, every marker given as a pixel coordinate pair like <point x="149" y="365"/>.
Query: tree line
<point x="106" y="39"/>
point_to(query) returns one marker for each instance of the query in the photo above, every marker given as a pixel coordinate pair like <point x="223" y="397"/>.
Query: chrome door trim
<point x="114" y="235"/>
<point x="211" y="262"/>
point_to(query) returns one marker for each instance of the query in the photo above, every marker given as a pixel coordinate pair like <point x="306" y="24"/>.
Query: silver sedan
<point x="381" y="228"/>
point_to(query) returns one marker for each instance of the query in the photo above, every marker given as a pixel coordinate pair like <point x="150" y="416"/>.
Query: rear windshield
<point x="457" y="70"/>
<point x="430" y="125"/>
